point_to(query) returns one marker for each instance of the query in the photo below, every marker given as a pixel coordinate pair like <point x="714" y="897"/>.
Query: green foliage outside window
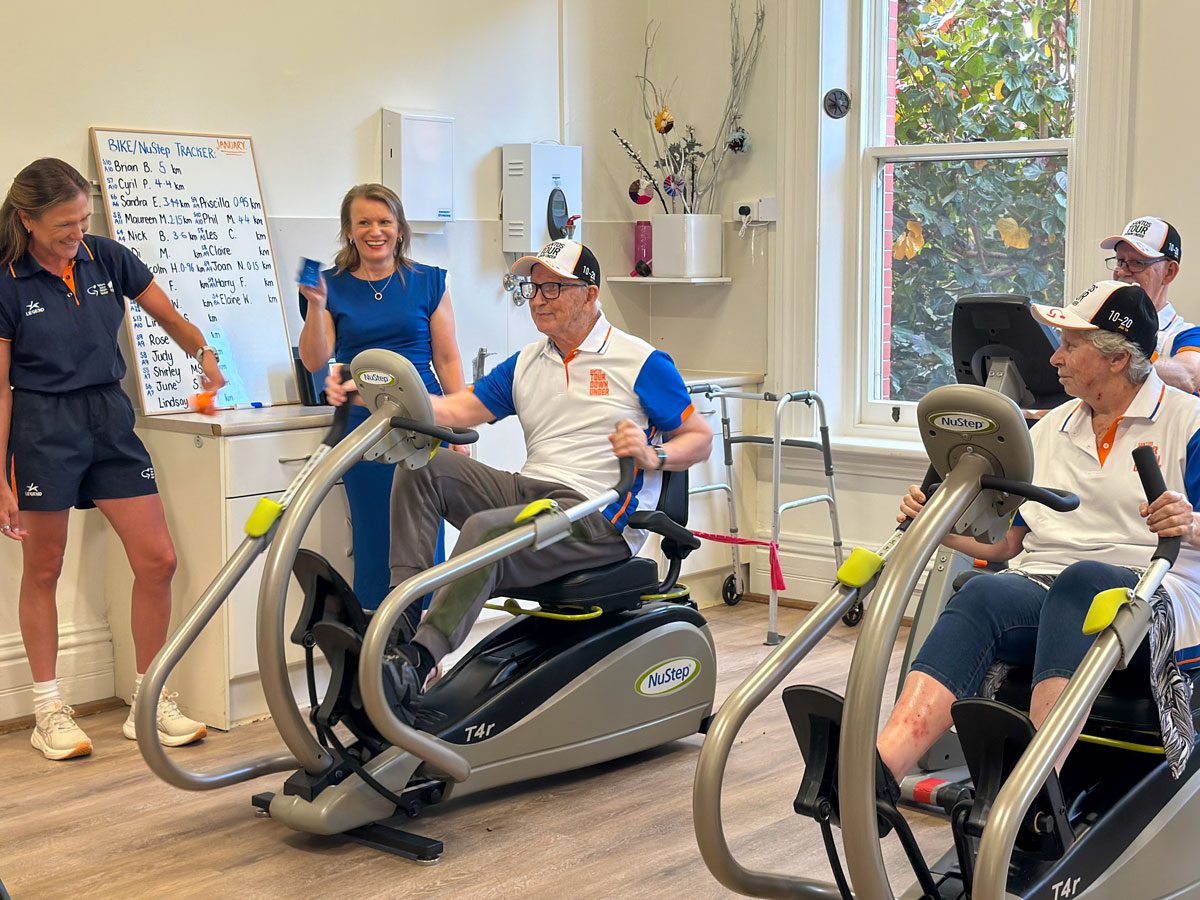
<point x="975" y="71"/>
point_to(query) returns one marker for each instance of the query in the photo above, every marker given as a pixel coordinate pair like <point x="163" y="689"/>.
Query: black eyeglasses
<point x="1132" y="266"/>
<point x="550" y="289"/>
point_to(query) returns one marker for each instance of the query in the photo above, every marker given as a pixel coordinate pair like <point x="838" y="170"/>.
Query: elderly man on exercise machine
<point x="585" y="395"/>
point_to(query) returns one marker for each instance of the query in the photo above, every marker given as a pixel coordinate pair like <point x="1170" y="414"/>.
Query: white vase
<point x="687" y="245"/>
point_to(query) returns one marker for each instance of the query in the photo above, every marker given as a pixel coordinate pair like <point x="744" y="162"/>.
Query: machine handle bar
<point x="628" y="472"/>
<point x="341" y="415"/>
<point x="1059" y="501"/>
<point x="1153" y="484"/>
<point x="928" y="486"/>
<point x="441" y="432"/>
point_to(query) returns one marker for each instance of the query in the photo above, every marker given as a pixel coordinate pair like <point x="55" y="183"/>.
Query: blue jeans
<point x="369" y="493"/>
<point x="1013" y="619"/>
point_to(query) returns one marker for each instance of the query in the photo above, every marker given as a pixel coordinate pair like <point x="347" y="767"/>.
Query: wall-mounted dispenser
<point x="543" y="195"/>
<point x="418" y="164"/>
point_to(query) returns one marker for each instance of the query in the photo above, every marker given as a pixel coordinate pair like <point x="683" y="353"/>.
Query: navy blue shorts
<point x="71" y="449"/>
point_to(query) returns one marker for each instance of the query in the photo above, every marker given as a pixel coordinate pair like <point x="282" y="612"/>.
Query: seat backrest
<point x="673" y="500"/>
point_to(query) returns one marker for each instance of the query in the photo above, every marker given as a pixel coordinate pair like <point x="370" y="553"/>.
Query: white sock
<point x="45" y="695"/>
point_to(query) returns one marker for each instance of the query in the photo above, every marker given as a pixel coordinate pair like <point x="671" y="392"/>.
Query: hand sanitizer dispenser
<point x="543" y="195"/>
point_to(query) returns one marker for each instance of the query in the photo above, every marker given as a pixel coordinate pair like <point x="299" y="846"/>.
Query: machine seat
<point x="615" y="587"/>
<point x="1125" y="703"/>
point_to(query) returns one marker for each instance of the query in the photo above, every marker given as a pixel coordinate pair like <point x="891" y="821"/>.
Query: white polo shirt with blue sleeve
<point x="1107" y="527"/>
<point x="1175" y="334"/>
<point x="569" y="405"/>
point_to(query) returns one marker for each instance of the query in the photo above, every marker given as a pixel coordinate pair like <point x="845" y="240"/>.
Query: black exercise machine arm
<point x="1055" y="499"/>
<point x="1051" y="497"/>
<point x="1154" y="486"/>
<point x="341" y="415"/>
<point x="440" y="432"/>
<point x="928" y="486"/>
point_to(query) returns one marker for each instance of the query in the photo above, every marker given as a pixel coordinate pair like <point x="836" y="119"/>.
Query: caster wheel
<point x="729" y="592"/>
<point x="854" y="615"/>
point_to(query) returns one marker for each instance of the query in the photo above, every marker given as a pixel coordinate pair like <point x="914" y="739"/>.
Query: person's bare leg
<point x="1045" y="694"/>
<point x="42" y="553"/>
<point x="920" y="717"/>
<point x="142" y="527"/>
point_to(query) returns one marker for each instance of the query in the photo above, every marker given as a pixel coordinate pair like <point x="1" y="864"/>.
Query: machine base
<point x="383" y="836"/>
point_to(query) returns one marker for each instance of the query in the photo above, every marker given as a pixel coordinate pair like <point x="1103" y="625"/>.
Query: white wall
<point x="1165" y="121"/>
<point x="307" y="83"/>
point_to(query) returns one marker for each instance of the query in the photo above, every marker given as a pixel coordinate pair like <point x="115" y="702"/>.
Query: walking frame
<point x="734" y="586"/>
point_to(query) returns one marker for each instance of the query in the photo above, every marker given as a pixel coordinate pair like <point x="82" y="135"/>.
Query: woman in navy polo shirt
<point x="375" y="296"/>
<point x="66" y="427"/>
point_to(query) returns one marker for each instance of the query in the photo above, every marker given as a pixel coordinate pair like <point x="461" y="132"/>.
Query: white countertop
<point x="242" y="421"/>
<point x="228" y="422"/>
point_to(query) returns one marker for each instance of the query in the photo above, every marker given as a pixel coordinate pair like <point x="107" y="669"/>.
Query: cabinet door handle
<point x="707" y="412"/>
<point x="294" y="459"/>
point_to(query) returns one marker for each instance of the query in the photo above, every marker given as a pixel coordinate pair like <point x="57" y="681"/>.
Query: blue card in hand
<point x="310" y="272"/>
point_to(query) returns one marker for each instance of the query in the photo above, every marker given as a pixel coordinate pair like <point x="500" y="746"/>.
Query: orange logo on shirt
<point x="598" y="385"/>
<point x="1157" y="455"/>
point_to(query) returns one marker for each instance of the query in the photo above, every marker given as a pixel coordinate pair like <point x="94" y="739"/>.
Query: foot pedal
<point x="816" y="717"/>
<point x="994" y="736"/>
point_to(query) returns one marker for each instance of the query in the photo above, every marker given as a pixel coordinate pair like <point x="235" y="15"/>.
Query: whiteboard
<point x="190" y="206"/>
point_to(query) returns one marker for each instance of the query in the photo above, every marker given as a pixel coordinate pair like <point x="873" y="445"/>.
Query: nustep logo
<point x="668" y="677"/>
<point x="376" y="378"/>
<point x="962" y="423"/>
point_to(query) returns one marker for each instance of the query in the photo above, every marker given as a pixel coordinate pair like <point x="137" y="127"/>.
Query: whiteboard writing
<point x="190" y="207"/>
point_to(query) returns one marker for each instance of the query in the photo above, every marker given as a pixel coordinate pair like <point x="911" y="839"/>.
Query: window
<point x="965" y="177"/>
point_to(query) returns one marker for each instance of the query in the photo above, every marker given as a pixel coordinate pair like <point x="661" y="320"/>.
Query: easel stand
<point x="734" y="586"/>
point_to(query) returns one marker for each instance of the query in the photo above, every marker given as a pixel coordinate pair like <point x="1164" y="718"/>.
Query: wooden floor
<point x="103" y="826"/>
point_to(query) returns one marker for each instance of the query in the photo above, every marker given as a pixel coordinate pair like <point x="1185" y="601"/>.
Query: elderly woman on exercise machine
<point x="1033" y="613"/>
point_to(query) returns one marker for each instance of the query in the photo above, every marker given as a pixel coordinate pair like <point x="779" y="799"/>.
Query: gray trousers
<point x="482" y="502"/>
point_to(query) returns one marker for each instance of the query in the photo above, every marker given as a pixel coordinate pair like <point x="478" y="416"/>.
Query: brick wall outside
<point x="886" y="237"/>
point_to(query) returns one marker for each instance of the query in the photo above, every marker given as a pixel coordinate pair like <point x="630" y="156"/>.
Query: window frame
<point x="852" y="41"/>
<point x="892" y="413"/>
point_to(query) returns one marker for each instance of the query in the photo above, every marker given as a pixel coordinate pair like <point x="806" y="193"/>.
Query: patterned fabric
<point x="1172" y="690"/>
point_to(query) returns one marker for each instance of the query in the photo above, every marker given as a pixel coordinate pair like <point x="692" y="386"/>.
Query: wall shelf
<point x="625" y="279"/>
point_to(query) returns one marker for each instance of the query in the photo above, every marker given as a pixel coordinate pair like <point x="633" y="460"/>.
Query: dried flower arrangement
<point x="684" y="172"/>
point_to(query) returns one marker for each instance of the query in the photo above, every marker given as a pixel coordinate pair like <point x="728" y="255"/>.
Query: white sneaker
<point x="57" y="735"/>
<point x="174" y="728"/>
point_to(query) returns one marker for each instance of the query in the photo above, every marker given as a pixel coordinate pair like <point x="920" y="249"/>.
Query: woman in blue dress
<point x="375" y="296"/>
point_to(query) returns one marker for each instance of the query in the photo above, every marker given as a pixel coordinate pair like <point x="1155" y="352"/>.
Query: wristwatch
<point x="212" y="350"/>
<point x="662" y="457"/>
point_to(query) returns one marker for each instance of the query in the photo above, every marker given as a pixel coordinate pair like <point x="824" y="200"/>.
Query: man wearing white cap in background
<point x="585" y="394"/>
<point x="1148" y="254"/>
